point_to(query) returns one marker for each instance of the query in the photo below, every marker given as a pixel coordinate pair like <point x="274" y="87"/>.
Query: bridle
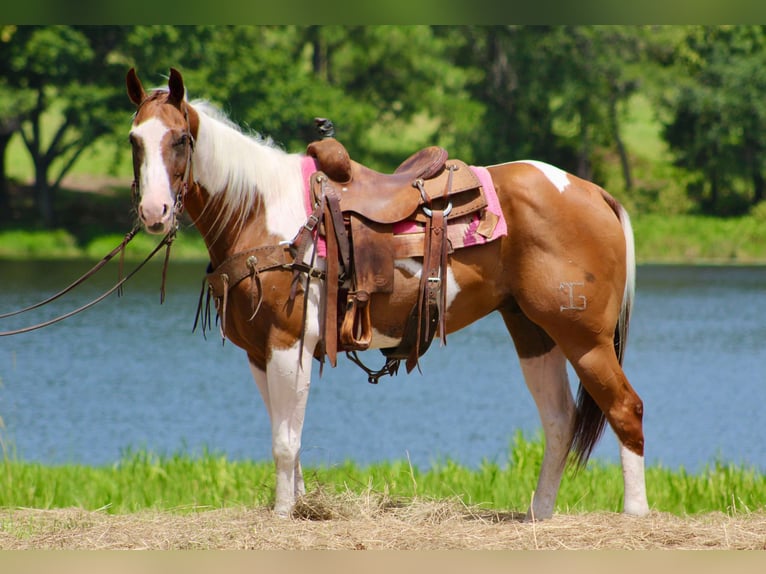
<point x="166" y="242"/>
<point x="180" y="194"/>
<point x="183" y="187"/>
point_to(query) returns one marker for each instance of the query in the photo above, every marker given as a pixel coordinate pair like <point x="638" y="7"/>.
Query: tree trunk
<point x="44" y="194"/>
<point x="713" y="191"/>
<point x="759" y="186"/>
<point x="319" y="53"/>
<point x="5" y="200"/>
<point x="584" y="167"/>
<point x="619" y="144"/>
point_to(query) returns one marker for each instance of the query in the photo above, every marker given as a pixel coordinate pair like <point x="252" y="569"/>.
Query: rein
<point x="166" y="241"/>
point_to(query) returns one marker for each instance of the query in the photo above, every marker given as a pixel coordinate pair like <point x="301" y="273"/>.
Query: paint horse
<point x="562" y="277"/>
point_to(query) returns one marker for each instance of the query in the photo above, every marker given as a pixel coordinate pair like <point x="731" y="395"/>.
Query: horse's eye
<point x="180" y="143"/>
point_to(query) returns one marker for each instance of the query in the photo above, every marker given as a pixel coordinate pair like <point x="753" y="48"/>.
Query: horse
<point x="562" y="277"/>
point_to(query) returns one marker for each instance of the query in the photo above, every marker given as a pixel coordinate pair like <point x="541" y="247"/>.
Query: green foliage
<point x="723" y="487"/>
<point x="140" y="480"/>
<point x="561" y="94"/>
<point x="716" y="126"/>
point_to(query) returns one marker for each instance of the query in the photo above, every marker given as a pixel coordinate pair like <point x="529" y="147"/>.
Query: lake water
<point x="129" y="373"/>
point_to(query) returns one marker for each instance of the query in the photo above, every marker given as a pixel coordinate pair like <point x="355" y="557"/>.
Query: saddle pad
<point x="467" y="233"/>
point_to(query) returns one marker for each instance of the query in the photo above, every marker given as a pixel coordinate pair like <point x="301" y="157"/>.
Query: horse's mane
<point x="239" y="168"/>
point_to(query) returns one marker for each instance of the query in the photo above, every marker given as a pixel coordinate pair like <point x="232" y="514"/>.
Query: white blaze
<point x="154" y="182"/>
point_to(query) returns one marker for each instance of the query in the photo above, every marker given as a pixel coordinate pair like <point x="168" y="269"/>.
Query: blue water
<point x="129" y="373"/>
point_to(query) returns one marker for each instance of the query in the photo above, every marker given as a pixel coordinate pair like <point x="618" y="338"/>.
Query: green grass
<point x="182" y="483"/>
<point x="61" y="244"/>
<point x="696" y="239"/>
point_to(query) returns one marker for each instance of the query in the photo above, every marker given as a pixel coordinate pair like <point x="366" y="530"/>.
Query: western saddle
<point x="355" y="210"/>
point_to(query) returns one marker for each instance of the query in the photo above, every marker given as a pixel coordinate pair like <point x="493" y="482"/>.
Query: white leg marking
<point x="284" y="387"/>
<point x="288" y="388"/>
<point x="263" y="387"/>
<point x="548" y="382"/>
<point x="635" y="502"/>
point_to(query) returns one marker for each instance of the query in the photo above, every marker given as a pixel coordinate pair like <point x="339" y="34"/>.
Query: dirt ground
<point x="373" y="524"/>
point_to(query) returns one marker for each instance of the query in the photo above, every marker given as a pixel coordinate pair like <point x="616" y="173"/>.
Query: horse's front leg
<point x="284" y="387"/>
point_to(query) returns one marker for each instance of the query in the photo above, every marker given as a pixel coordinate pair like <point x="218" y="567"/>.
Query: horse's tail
<point x="589" y="418"/>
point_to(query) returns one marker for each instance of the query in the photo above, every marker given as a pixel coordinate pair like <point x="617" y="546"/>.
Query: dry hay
<point x="373" y="521"/>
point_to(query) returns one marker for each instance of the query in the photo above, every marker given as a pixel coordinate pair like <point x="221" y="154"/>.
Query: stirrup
<point x="356" y="329"/>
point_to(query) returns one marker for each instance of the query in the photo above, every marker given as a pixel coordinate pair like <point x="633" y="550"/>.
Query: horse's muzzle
<point x="156" y="218"/>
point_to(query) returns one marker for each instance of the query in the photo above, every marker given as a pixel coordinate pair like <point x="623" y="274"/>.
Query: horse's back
<point x="546" y="204"/>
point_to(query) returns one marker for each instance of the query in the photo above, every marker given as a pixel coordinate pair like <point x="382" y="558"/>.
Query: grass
<point x="697" y="239"/>
<point x="144" y="481"/>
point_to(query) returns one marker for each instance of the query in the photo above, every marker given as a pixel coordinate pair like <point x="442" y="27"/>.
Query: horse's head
<point x="162" y="138"/>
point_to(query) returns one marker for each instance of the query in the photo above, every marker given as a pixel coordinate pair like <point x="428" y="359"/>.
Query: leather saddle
<point x="356" y="209"/>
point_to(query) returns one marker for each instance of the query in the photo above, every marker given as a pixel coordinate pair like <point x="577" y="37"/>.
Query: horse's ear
<point x="136" y="91"/>
<point x="176" y="86"/>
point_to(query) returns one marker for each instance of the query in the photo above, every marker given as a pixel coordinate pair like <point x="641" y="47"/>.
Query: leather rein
<point x="166" y="241"/>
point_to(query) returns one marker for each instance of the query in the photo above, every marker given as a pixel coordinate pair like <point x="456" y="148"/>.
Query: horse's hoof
<point x="537" y="517"/>
<point x="283" y="513"/>
<point x="637" y="510"/>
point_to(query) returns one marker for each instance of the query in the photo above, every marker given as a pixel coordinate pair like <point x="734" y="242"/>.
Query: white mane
<point x="239" y="168"/>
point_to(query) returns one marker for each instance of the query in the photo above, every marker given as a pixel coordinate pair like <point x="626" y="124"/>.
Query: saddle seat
<point x="392" y="198"/>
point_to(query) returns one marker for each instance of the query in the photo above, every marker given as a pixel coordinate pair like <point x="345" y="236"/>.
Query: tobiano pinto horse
<point x="562" y="277"/>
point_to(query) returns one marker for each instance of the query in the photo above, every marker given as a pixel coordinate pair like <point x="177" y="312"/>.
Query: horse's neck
<point x="250" y="193"/>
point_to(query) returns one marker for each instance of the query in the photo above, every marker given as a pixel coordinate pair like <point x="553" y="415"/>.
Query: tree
<point x="556" y="93"/>
<point x="407" y="80"/>
<point x="15" y="105"/>
<point x="602" y="67"/>
<point x="65" y="72"/>
<point x="717" y="124"/>
<point x="388" y="89"/>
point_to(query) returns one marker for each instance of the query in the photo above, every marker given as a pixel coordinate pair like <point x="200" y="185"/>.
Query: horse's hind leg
<point x="602" y="376"/>
<point x="545" y="373"/>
